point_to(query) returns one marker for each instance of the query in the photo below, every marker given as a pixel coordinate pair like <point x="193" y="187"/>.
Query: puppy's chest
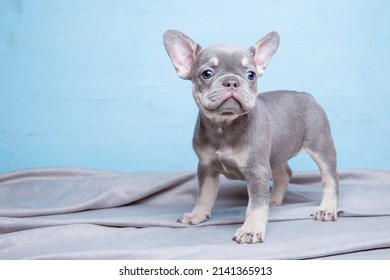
<point x="226" y="160"/>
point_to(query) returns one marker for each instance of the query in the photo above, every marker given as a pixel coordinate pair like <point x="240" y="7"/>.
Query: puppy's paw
<point x="274" y="204"/>
<point x="193" y="218"/>
<point x="248" y="236"/>
<point x="323" y="215"/>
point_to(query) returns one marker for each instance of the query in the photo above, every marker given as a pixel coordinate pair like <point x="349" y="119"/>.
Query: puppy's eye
<point x="207" y="74"/>
<point x="251" y="76"/>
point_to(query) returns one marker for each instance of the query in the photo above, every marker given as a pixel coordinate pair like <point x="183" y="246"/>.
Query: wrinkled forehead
<point x="226" y="56"/>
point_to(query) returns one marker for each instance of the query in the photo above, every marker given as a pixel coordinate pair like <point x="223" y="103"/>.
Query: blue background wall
<point x="88" y="83"/>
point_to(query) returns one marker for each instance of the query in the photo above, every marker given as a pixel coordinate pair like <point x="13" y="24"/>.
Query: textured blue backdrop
<point x="88" y="83"/>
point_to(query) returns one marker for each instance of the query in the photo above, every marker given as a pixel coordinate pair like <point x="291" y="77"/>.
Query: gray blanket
<point x="87" y="214"/>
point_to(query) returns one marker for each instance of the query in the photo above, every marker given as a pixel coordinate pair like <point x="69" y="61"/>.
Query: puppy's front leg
<point x="208" y="189"/>
<point x="254" y="228"/>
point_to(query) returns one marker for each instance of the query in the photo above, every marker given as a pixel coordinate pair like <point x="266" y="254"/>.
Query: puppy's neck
<point x="223" y="125"/>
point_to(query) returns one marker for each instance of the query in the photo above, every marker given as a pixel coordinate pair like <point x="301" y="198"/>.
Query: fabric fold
<point x="91" y="214"/>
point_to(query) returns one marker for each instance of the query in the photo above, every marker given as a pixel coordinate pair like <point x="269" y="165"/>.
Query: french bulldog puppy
<point x="247" y="136"/>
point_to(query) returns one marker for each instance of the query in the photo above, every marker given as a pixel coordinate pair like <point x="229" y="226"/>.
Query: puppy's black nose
<point x="231" y="84"/>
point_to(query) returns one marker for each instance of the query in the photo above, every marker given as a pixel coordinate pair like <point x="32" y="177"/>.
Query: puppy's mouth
<point x="230" y="106"/>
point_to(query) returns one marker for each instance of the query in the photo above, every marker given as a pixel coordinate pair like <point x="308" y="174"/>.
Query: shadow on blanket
<point x="88" y="214"/>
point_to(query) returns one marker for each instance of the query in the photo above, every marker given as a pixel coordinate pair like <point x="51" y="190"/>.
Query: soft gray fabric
<point x="87" y="214"/>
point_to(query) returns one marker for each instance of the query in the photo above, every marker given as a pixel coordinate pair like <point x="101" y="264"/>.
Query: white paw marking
<point x="327" y="210"/>
<point x="248" y="236"/>
<point x="193" y="218"/>
<point x="321" y="215"/>
<point x="253" y="229"/>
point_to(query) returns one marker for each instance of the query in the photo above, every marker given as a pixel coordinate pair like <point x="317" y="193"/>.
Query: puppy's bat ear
<point x="263" y="50"/>
<point x="182" y="51"/>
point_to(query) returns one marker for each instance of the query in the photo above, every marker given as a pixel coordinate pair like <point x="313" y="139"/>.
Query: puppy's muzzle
<point x="231" y="101"/>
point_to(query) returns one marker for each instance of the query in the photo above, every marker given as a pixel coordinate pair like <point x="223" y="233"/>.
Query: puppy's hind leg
<point x="281" y="177"/>
<point x="326" y="161"/>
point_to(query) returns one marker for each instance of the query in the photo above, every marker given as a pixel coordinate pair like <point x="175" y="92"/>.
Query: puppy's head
<point x="224" y="77"/>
